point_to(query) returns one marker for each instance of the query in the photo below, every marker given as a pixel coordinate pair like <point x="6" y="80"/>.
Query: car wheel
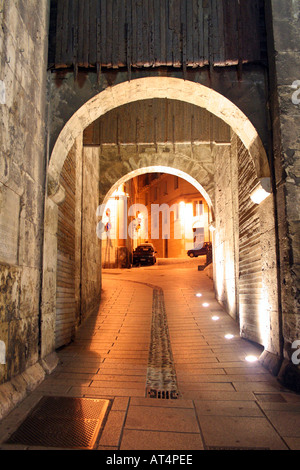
<point x="191" y="255"/>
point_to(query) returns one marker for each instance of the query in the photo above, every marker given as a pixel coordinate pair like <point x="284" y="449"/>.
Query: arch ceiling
<point x="160" y="169"/>
<point x="150" y="88"/>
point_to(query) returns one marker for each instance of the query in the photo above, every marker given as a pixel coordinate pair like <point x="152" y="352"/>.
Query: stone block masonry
<point x="23" y="50"/>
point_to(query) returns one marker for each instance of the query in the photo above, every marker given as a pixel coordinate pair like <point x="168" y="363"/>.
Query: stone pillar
<point x="226" y="223"/>
<point x="284" y="57"/>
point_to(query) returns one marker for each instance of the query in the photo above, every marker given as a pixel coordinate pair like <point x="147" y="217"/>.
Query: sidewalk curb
<point x="12" y="393"/>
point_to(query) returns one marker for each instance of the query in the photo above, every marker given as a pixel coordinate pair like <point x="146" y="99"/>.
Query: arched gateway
<point x="243" y="245"/>
<point x="159" y="87"/>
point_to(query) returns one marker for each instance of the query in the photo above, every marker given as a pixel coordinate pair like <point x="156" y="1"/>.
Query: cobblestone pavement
<point x="151" y="334"/>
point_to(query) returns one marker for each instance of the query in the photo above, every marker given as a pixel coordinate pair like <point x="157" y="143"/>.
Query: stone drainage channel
<point x="161" y="375"/>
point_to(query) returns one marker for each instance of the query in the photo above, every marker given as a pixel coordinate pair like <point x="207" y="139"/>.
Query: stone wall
<point x="226" y="224"/>
<point x="23" y="59"/>
<point x="245" y="260"/>
<point x="78" y="276"/>
<point x="65" y="278"/>
<point x="91" y="244"/>
<point x="284" y="35"/>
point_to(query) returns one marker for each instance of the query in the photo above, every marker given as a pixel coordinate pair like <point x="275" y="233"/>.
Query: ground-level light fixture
<point x="261" y="191"/>
<point x="251" y="358"/>
<point x="229" y="336"/>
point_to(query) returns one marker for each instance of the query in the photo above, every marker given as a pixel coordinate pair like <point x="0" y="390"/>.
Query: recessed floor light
<point x="251" y="358"/>
<point x="229" y="336"/>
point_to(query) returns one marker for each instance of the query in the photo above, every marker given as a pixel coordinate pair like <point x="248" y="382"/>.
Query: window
<point x="176" y="212"/>
<point x="176" y="182"/>
<point x="198" y="208"/>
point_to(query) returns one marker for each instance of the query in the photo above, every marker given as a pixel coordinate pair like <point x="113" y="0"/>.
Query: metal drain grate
<point x="62" y="422"/>
<point x="164" y="394"/>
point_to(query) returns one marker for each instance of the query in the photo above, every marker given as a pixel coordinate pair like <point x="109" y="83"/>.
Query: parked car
<point x="144" y="254"/>
<point x="200" y="250"/>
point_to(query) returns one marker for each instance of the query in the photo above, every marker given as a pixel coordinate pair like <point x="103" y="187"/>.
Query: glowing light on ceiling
<point x="199" y="295"/>
<point x="215" y="318"/>
<point x="205" y="305"/>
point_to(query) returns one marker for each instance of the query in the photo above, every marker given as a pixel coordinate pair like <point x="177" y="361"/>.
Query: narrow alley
<point x="172" y="368"/>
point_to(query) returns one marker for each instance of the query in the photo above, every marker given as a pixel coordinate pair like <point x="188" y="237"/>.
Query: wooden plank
<point x="169" y="35"/>
<point x="230" y="31"/>
<point x="146" y="62"/>
<point x="162" y="55"/>
<point x="177" y="35"/>
<point x="116" y="27"/>
<point x="92" y="43"/>
<point x="189" y="33"/>
<point x="221" y="35"/>
<point x="109" y="32"/>
<point x="157" y="32"/>
<point x="52" y="33"/>
<point x="195" y="32"/>
<point x="200" y="19"/>
<point x="134" y="33"/>
<point x="98" y="42"/>
<point x="140" y="59"/>
<point x="121" y="34"/>
<point x="74" y="21"/>
<point x="143" y="33"/>
<point x="128" y="38"/>
<point x="184" y="36"/>
<point x="206" y="20"/>
<point x="104" y="36"/>
<point x="86" y="34"/>
<point x="67" y="34"/>
<point x="59" y="34"/>
<point x="80" y="55"/>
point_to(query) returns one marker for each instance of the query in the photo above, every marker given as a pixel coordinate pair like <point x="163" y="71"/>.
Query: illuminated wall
<point x="226" y="229"/>
<point x="177" y="214"/>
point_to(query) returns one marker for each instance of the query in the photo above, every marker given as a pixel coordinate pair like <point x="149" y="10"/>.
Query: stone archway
<point x="140" y="89"/>
<point x="156" y="87"/>
<point x="161" y="169"/>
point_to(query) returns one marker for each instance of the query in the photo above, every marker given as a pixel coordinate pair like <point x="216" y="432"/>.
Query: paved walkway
<point x="223" y="401"/>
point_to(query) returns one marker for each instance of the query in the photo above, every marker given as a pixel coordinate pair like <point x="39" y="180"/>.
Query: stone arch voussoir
<point x="157" y="87"/>
<point x="164" y="162"/>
